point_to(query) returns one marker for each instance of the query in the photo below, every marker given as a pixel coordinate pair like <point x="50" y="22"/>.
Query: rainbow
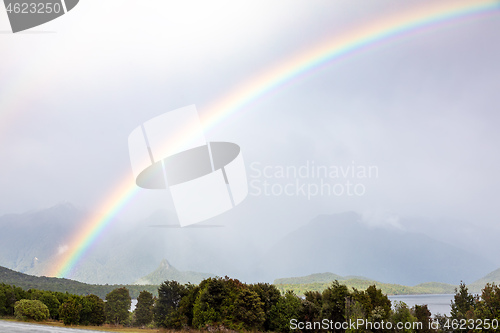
<point x="424" y="17"/>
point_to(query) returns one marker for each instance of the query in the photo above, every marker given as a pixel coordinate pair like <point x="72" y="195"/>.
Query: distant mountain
<point x="344" y="244"/>
<point x="167" y="272"/>
<point x="478" y="285"/>
<point x="127" y="252"/>
<point x="25" y="281"/>
<point x="124" y="252"/>
<point x="32" y="241"/>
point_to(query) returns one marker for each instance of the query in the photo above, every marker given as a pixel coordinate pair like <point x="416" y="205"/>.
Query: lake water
<point x="133" y="305"/>
<point x="436" y="303"/>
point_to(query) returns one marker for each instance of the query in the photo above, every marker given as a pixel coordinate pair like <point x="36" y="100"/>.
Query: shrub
<point x="49" y="299"/>
<point x="69" y="311"/>
<point x="31" y="309"/>
<point x="117" y="305"/>
<point x="144" y="309"/>
<point x="92" y="312"/>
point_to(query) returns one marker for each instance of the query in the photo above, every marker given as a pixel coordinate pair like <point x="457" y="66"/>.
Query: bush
<point x="117" y="305"/>
<point x="143" y="314"/>
<point x="69" y="311"/>
<point x="92" y="312"/>
<point x="167" y="308"/>
<point x="49" y="299"/>
<point x="31" y="309"/>
<point x="9" y="295"/>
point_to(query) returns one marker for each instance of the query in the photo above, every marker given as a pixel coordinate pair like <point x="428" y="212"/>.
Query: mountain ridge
<point x="349" y="246"/>
<point x="343" y="243"/>
<point x="492" y="277"/>
<point x="168" y="272"/>
<point x="34" y="240"/>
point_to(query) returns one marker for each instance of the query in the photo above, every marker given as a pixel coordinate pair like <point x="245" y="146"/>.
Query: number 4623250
<point x="34" y="8"/>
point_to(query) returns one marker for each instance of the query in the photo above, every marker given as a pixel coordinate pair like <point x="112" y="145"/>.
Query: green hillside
<point x="316" y="278"/>
<point x="167" y="272"/>
<point x="435" y="288"/>
<point x="26" y="282"/>
<point x="319" y="282"/>
<point x="478" y="285"/>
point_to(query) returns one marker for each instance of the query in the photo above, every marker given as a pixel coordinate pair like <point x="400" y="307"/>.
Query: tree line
<point x="72" y="309"/>
<point x="225" y="303"/>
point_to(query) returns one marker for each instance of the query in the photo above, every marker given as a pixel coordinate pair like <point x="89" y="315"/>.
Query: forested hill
<point x="317" y="278"/>
<point x="493" y="277"/>
<point x="26" y="282"/>
<point x="386" y="288"/>
<point x="321" y="281"/>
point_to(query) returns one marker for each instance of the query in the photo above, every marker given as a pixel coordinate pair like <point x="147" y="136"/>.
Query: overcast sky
<point x="422" y="108"/>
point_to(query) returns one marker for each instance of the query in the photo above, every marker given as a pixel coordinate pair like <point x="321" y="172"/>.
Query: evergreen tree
<point x="488" y="307"/>
<point x="462" y="306"/>
<point x="69" y="311"/>
<point x="186" y="307"/>
<point x="207" y="309"/>
<point x="3" y="301"/>
<point x="9" y="295"/>
<point x="117" y="306"/>
<point x="286" y="309"/>
<point x="144" y="310"/>
<point x="50" y="300"/>
<point x="247" y="311"/>
<point x="334" y="302"/>
<point x="423" y="315"/>
<point x="92" y="312"/>
<point x="402" y="314"/>
<point x="310" y="308"/>
<point x="379" y="300"/>
<point x="269" y="295"/>
<point x="354" y="311"/>
<point x="166" y="312"/>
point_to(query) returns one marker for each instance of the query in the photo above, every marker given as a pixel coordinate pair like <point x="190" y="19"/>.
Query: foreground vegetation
<point x="222" y="304"/>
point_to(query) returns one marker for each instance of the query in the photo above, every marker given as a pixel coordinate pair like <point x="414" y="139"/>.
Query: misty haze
<point x="368" y="135"/>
